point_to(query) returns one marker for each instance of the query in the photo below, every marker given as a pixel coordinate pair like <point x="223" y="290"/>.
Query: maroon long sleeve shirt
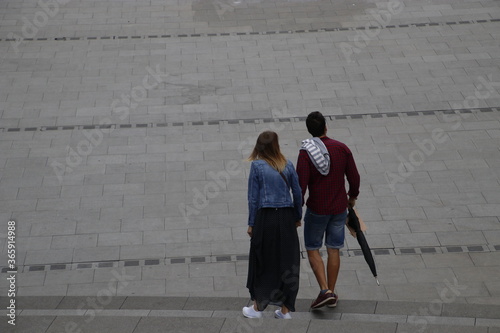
<point x="327" y="194"/>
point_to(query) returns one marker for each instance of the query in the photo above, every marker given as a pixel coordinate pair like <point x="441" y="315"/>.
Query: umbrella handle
<point x="376" y="279"/>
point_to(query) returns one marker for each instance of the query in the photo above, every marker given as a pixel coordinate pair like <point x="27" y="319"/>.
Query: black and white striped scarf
<point x="318" y="153"/>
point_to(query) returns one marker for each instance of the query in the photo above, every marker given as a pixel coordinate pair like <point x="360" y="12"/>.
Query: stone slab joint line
<point x="409" y="25"/>
<point x="233" y="258"/>
<point x="247" y="121"/>
<point x="301" y="316"/>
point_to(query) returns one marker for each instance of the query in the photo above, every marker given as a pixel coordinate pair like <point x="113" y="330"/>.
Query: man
<point x="321" y="167"/>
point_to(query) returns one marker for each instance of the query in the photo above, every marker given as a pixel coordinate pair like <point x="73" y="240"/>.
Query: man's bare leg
<point x="318" y="268"/>
<point x="333" y="267"/>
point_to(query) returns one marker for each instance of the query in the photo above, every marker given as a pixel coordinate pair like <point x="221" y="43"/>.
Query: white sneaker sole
<point x="251" y="315"/>
<point x="277" y="316"/>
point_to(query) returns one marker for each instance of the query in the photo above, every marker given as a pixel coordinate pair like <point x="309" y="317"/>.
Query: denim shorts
<point x="329" y="226"/>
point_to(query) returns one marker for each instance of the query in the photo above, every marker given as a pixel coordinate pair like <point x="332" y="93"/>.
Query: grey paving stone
<point x="28" y="324"/>
<point x="425" y="327"/>
<point x="235" y="246"/>
<point x="58" y="204"/>
<point x="125" y="273"/>
<point x="484" y="259"/>
<point x="479" y="274"/>
<point x="55" y="228"/>
<point x="412" y="292"/>
<point x="37" y="192"/>
<point x="476" y="311"/>
<point x="192" y="285"/>
<point x="223" y="303"/>
<point x="59" y="290"/>
<point x="229" y="283"/>
<point x="118" y="239"/>
<point x="121" y="213"/>
<point x="102" y="288"/>
<point x="432" y="320"/>
<point x="424" y="188"/>
<point x="484" y="210"/>
<point x="142" y="287"/>
<point x="140" y="313"/>
<point x="155" y="303"/>
<point x="402" y="213"/>
<point x="375" y="318"/>
<point x="140" y="252"/>
<point x="48" y="257"/>
<point x="33" y="243"/>
<point x="399" y="262"/>
<point x="448" y="260"/>
<point x="109" y="201"/>
<point x="73" y="241"/>
<point x="102" y="253"/>
<point x="445" y="212"/>
<point x="163" y="237"/>
<point x="104" y="179"/>
<point x="235" y="324"/>
<point x="18" y="205"/>
<point x="404" y="308"/>
<point x="189" y="249"/>
<point x="38" y="302"/>
<point x="493" y="288"/>
<point x="346" y="326"/>
<point x="430" y="275"/>
<point x="84" y="302"/>
<point x="111" y="324"/>
<point x="143" y="200"/>
<point x="459" y="237"/>
<point x="69" y="277"/>
<point x="351" y="306"/>
<point x="30" y="279"/>
<point x="483" y="223"/>
<point x="142" y="224"/>
<point x="95" y="227"/>
<point x="158" y="324"/>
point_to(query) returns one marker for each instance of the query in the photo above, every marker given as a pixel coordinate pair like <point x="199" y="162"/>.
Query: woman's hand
<point x="298" y="223"/>
<point x="250" y="231"/>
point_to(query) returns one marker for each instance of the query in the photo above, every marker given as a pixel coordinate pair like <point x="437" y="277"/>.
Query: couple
<point x="274" y="215"/>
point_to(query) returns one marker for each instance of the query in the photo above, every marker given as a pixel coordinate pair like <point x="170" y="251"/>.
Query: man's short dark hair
<point x="316" y="124"/>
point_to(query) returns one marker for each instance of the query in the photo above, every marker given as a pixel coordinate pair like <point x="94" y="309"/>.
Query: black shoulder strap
<point x="284" y="178"/>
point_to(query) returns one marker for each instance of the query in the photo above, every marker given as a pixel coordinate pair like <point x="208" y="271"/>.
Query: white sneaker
<point x="249" y="312"/>
<point x="278" y="314"/>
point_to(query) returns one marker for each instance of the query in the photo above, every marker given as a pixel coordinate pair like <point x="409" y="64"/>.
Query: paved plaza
<point x="125" y="128"/>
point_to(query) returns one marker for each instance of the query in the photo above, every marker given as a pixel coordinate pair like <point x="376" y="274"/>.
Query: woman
<point x="274" y="263"/>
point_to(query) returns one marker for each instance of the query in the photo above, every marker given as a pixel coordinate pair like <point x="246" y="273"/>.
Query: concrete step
<point x="192" y="314"/>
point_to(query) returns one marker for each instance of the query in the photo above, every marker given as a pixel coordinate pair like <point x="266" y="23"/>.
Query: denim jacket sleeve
<point x="253" y="194"/>
<point x="293" y="180"/>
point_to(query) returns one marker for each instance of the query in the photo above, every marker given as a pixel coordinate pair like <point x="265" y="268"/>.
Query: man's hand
<point x="352" y="202"/>
<point x="298" y="223"/>
<point x="250" y="231"/>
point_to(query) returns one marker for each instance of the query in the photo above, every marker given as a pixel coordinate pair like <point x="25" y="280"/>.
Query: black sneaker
<point x="322" y="300"/>
<point x="333" y="302"/>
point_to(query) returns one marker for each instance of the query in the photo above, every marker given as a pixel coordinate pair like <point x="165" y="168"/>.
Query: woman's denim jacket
<point x="266" y="188"/>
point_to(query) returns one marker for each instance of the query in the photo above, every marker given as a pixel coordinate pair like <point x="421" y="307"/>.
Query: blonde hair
<point x="267" y="148"/>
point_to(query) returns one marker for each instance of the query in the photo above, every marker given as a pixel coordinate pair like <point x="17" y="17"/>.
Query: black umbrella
<point x="353" y="222"/>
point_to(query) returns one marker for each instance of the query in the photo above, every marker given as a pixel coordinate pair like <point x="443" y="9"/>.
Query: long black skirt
<point x="274" y="263"/>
